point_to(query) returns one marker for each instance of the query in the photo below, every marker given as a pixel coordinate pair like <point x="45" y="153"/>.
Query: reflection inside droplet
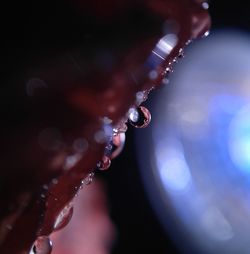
<point x="115" y="146"/>
<point x="133" y="114"/>
<point x="140" y="117"/>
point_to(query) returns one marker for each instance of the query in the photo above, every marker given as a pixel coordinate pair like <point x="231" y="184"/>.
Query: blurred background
<point x="182" y="185"/>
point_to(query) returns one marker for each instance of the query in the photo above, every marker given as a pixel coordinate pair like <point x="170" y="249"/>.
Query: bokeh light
<point x="195" y="157"/>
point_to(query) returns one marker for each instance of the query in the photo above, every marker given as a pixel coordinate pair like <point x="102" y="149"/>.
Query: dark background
<point x="139" y="230"/>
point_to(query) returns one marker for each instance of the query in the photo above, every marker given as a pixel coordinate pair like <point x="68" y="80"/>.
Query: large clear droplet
<point x="42" y="245"/>
<point x="104" y="164"/>
<point x="140" y="117"/>
<point x="64" y="217"/>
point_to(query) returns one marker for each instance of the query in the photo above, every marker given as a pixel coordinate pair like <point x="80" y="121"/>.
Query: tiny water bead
<point x="104" y="164"/>
<point x="139" y="117"/>
<point x="88" y="179"/>
<point x="42" y="245"/>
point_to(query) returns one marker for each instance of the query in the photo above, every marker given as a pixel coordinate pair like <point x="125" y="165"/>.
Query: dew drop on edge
<point x="118" y="142"/>
<point x="144" y="118"/>
<point x="104" y="164"/>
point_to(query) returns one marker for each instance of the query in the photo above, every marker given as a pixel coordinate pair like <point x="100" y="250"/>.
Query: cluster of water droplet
<point x="137" y="116"/>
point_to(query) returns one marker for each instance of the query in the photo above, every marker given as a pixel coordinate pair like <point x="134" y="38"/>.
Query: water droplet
<point x="133" y="114"/>
<point x="113" y="149"/>
<point x="104" y="164"/>
<point x="144" y="118"/>
<point x="64" y="217"/>
<point x="168" y="70"/>
<point x="42" y="245"/>
<point x="88" y="179"/>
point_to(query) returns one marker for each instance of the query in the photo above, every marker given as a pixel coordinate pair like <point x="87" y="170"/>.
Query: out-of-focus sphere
<point x="195" y="156"/>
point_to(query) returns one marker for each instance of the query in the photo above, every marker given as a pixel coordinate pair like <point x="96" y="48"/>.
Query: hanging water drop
<point x="118" y="144"/>
<point x="64" y="217"/>
<point x="141" y="118"/>
<point x="104" y="164"/>
<point x="42" y="245"/>
<point x="115" y="147"/>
